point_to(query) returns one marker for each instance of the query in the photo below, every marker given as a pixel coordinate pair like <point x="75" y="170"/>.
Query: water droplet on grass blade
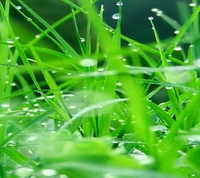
<point x="5" y="105"/>
<point x="159" y="13"/>
<point x="176" y="32"/>
<point x="48" y="172"/>
<point x="29" y="19"/>
<point x="88" y="62"/>
<point x="150" y="18"/>
<point x="82" y="40"/>
<point x="168" y="87"/>
<point x="177" y="48"/>
<point x="24" y="172"/>
<point x="119" y="3"/>
<point x="18" y="7"/>
<point x="192" y="4"/>
<point x="116" y="16"/>
<point x="154" y="10"/>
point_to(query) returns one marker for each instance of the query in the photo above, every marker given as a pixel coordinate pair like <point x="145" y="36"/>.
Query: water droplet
<point x="176" y="32"/>
<point x="116" y="16"/>
<point x="29" y="19"/>
<point x="48" y="172"/>
<point x="119" y="84"/>
<point x="18" y="7"/>
<point x="88" y="62"/>
<point x="159" y="13"/>
<point x="25" y="109"/>
<point x="192" y="4"/>
<point x="13" y="84"/>
<point x="154" y="10"/>
<point x="177" y="48"/>
<point x="24" y="172"/>
<point x="36" y="104"/>
<point x="10" y="41"/>
<point x="150" y="18"/>
<point x="37" y="36"/>
<point x="119" y="3"/>
<point x="168" y="87"/>
<point x="197" y="62"/>
<point x="101" y="69"/>
<point x="82" y="40"/>
<point x="72" y="107"/>
<point x="186" y="61"/>
<point x="5" y="105"/>
<point x="63" y="176"/>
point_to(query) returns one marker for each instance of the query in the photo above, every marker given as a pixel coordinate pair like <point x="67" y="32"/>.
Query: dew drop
<point x="72" y="107"/>
<point x="37" y="36"/>
<point x="176" y="32"/>
<point x="5" y="105"/>
<point x="10" y="41"/>
<point x="197" y="62"/>
<point x="186" y="61"/>
<point x="13" y="84"/>
<point x="150" y="18"/>
<point x="192" y="4"/>
<point x="18" y="7"/>
<point x="116" y="16"/>
<point x="48" y="172"/>
<point x="62" y="176"/>
<point x="24" y="172"/>
<point x="159" y="13"/>
<point x="101" y="69"/>
<point x="82" y="40"/>
<point x="88" y="62"/>
<point x="177" y="48"/>
<point x="119" y="3"/>
<point x="168" y="87"/>
<point x="29" y="19"/>
<point x="154" y="10"/>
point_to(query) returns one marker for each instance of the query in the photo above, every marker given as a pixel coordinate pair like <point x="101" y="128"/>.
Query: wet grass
<point x="92" y="113"/>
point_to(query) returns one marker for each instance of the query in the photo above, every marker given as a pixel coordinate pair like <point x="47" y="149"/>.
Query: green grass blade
<point x="69" y="50"/>
<point x="27" y="125"/>
<point x="182" y="32"/>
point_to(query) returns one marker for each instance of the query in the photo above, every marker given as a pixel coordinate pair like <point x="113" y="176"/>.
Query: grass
<point x="90" y="113"/>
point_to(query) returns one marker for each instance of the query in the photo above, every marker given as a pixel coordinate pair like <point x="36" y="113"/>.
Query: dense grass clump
<point x="104" y="110"/>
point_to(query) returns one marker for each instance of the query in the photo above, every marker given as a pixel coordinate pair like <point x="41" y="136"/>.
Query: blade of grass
<point x="182" y="32"/>
<point x="69" y="50"/>
<point x="171" y="92"/>
<point x="27" y="125"/>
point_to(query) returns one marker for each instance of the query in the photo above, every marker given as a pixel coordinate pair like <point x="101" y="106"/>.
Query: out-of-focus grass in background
<point x="81" y="96"/>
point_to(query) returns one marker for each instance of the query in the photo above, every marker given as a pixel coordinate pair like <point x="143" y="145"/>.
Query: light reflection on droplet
<point x="116" y="16"/>
<point x="192" y="4"/>
<point x="48" y="172"/>
<point x="82" y="40"/>
<point x="159" y="13"/>
<point x="24" y="172"/>
<point x="18" y="7"/>
<point x="177" y="48"/>
<point x="154" y="10"/>
<point x="29" y="19"/>
<point x="5" y="105"/>
<point x="119" y="3"/>
<point x="25" y="108"/>
<point x="176" y="32"/>
<point x="88" y="62"/>
<point x="150" y="18"/>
